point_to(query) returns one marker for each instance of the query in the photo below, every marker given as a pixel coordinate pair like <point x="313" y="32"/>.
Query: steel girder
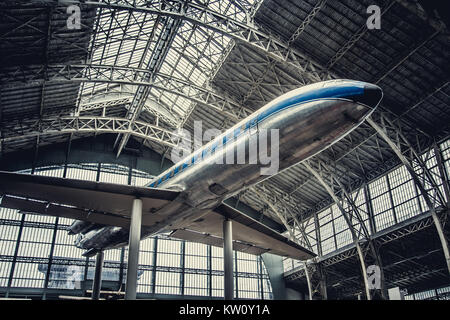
<point x="163" y="44"/>
<point x="88" y="124"/>
<point x="383" y="164"/>
<point x="136" y="77"/>
<point x="104" y="103"/>
<point x="424" y="179"/>
<point x="311" y="15"/>
<point x="356" y="36"/>
<point x="124" y="99"/>
<point x="415" y="164"/>
<point x="214" y="70"/>
<point x="407" y="230"/>
<point x="411" y="226"/>
<point x="228" y="25"/>
<point x="316" y="280"/>
<point x="443" y="173"/>
<point x="417" y="10"/>
<point x="272" y="207"/>
<point x="283" y="206"/>
<point x="315" y="271"/>
<point x="286" y="209"/>
<point x="366" y="249"/>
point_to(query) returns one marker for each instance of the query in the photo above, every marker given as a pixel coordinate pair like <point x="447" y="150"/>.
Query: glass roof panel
<point x="129" y="39"/>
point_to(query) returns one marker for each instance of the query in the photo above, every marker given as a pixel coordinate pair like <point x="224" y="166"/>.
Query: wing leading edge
<point x="97" y="202"/>
<point x="249" y="235"/>
<point x="110" y="204"/>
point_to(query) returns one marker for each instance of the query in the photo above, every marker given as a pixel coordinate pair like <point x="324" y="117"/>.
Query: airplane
<point x="187" y="200"/>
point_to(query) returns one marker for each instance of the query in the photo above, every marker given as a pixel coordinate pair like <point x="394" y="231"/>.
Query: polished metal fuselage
<point x="304" y="130"/>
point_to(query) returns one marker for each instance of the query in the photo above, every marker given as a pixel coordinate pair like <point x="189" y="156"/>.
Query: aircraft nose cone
<point x="372" y="95"/>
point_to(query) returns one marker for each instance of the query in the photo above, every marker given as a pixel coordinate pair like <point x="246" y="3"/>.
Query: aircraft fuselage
<point x="306" y="121"/>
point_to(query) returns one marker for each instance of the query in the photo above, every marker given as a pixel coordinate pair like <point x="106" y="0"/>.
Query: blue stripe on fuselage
<point x="322" y="93"/>
<point x="333" y="92"/>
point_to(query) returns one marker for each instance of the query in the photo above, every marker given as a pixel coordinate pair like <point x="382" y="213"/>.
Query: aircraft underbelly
<point x="301" y="135"/>
<point x="303" y="132"/>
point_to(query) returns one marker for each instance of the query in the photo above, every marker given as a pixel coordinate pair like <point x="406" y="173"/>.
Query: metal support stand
<point x="133" y="250"/>
<point x="228" y="259"/>
<point x="97" y="285"/>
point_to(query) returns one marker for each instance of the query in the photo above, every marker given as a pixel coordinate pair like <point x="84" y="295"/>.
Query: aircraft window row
<point x="203" y="154"/>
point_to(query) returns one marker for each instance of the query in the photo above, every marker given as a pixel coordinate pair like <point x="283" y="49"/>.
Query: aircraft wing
<point x="97" y="202"/>
<point x="249" y="235"/>
<point x="110" y="204"/>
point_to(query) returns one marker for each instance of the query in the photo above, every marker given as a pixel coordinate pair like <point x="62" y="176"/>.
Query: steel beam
<point x="284" y="208"/>
<point x="408" y="227"/>
<point x="141" y="77"/>
<point x="408" y="163"/>
<point x="90" y="124"/>
<point x="162" y="46"/>
<point x="278" y="214"/>
<point x="361" y="236"/>
<point x="229" y="25"/>
<point x="351" y="42"/>
<point x="316" y="280"/>
<point x="16" y="252"/>
<point x="123" y="97"/>
<point x="415" y="8"/>
<point x="314" y="272"/>
<point x="133" y="250"/>
<point x="443" y="173"/>
<point x="382" y="164"/>
<point x="228" y="259"/>
<point x="311" y="15"/>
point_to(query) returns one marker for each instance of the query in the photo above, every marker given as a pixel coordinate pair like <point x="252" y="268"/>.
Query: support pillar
<point x="122" y="259"/>
<point x="274" y="268"/>
<point x="133" y="250"/>
<point x="308" y="280"/>
<point x="97" y="285"/>
<point x="228" y="259"/>
<point x="363" y="269"/>
<point x="50" y="258"/>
